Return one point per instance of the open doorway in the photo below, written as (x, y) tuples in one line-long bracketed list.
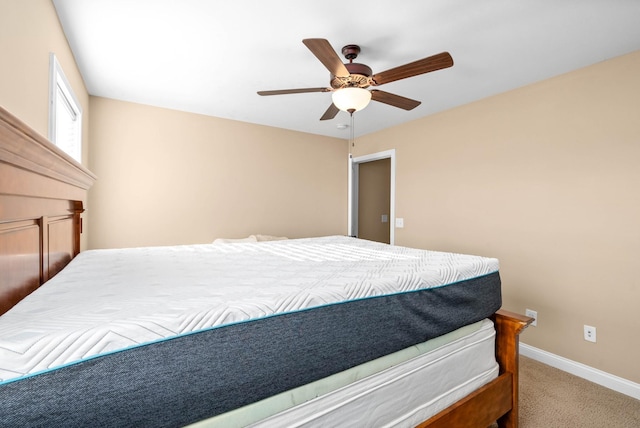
[(374, 189), (372, 196)]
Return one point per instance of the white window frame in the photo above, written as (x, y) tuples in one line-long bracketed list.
[(61, 93)]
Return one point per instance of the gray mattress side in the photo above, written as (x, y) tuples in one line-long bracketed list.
[(188, 378)]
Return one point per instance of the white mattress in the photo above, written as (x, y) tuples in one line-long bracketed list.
[(207, 285), (398, 390)]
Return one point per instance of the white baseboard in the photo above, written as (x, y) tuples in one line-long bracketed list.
[(605, 379)]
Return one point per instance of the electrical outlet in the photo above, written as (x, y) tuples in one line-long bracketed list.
[(589, 333), (533, 314)]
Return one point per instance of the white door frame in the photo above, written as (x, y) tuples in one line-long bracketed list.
[(354, 164)]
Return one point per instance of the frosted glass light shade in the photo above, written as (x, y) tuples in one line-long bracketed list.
[(351, 99)]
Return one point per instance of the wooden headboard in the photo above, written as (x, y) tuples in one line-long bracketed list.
[(43, 192)]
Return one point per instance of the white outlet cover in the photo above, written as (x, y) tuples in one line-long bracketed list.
[(589, 333)]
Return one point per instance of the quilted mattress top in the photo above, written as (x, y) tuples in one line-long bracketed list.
[(107, 300)]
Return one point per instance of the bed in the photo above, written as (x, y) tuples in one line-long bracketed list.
[(346, 317)]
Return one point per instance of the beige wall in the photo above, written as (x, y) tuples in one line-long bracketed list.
[(168, 177), (29, 31), (546, 179)]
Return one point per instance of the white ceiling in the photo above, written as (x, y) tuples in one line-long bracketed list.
[(212, 56)]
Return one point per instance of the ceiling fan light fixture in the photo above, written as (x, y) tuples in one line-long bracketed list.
[(351, 99)]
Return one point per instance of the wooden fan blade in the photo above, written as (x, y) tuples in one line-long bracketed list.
[(394, 100), (327, 56), (293, 91), (426, 65), (330, 113)]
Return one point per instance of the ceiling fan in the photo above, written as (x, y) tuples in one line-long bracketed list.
[(355, 78)]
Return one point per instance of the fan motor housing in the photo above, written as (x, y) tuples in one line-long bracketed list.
[(360, 77)]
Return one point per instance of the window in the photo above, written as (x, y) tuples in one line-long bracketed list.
[(65, 113)]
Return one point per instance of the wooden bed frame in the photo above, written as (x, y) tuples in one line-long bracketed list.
[(42, 196)]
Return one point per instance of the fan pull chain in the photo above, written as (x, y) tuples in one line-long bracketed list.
[(352, 142)]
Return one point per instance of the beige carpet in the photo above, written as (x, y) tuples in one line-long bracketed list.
[(553, 398)]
